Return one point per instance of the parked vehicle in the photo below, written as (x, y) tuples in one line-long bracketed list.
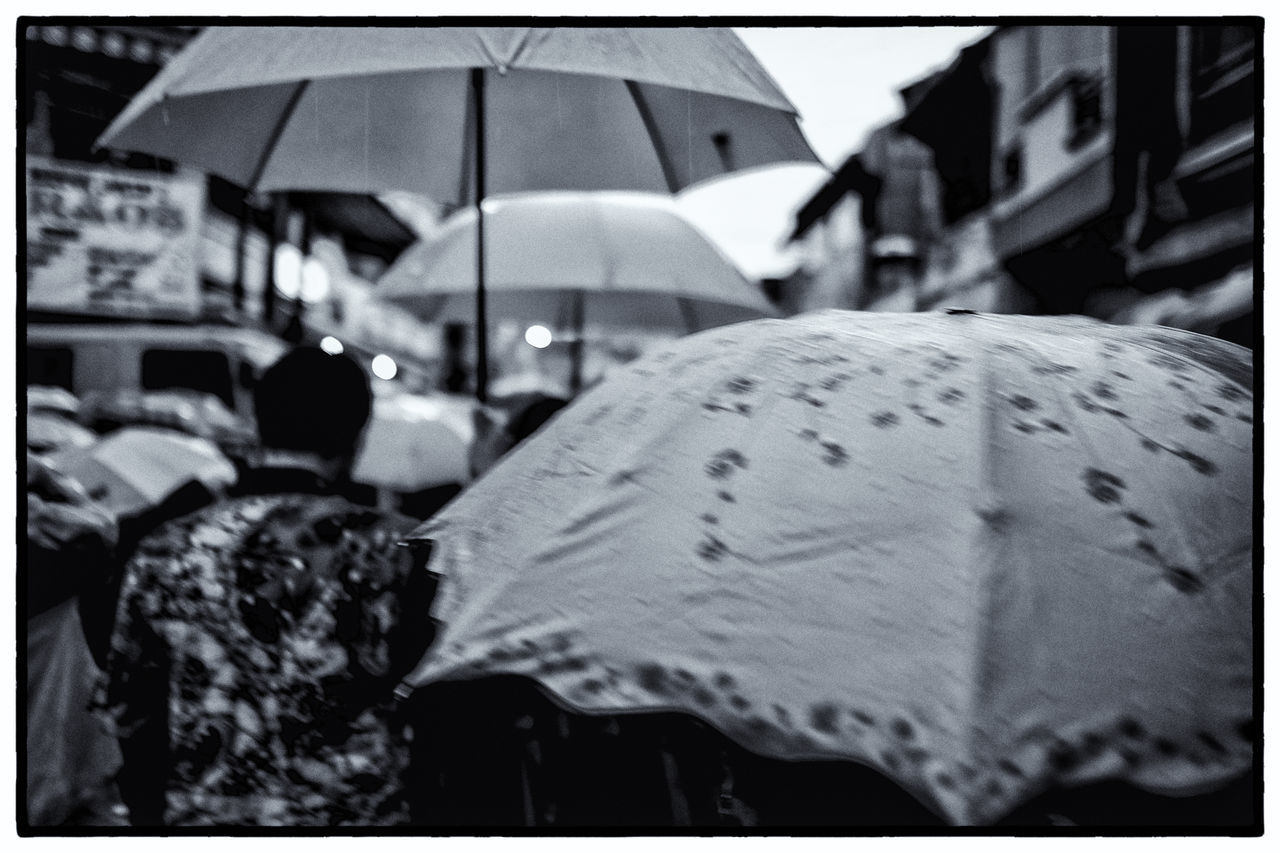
[(87, 357)]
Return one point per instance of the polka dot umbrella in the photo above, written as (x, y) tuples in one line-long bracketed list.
[(985, 555)]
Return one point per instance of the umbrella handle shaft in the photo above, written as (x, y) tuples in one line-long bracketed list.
[(482, 336)]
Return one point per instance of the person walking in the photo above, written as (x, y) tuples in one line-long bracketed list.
[(258, 642)]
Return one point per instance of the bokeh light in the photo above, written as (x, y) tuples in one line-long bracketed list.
[(538, 336), (288, 270), (315, 281), (384, 366)]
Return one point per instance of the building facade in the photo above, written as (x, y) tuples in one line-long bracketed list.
[(1096, 170)]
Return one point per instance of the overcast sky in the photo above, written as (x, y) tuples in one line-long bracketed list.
[(845, 82)]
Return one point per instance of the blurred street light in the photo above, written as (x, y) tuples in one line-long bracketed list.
[(288, 270), (538, 336), (331, 345), (315, 281), (384, 367)]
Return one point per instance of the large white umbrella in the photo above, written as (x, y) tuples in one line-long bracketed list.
[(984, 555), (571, 260), (457, 113)]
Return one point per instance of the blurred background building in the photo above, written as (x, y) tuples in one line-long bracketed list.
[(295, 266), (1097, 170)]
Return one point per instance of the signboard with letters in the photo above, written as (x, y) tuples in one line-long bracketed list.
[(112, 242)]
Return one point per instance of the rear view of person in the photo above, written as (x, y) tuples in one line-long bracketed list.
[(257, 643), (494, 438)]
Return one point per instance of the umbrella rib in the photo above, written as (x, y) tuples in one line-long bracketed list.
[(687, 313), (285, 115), (651, 127)]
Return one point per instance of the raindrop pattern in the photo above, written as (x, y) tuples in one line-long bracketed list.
[(723, 464), (834, 454), (1200, 422), (1024, 403), (1103, 486), (876, 412), (884, 419)]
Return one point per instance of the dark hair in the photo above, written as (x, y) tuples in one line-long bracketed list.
[(313, 402), (534, 416)]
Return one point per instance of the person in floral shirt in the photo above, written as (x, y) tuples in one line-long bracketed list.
[(258, 642)]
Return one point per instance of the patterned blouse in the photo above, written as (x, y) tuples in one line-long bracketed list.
[(281, 624)]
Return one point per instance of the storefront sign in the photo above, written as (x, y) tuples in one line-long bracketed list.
[(113, 242)]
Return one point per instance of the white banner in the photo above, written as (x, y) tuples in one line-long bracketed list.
[(110, 241)]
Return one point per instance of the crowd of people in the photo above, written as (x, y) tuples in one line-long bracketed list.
[(250, 646), (248, 643)]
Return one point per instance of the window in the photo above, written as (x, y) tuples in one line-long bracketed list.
[(1221, 78), (1086, 110), (1011, 171), (198, 370), (1051, 54), (50, 366)]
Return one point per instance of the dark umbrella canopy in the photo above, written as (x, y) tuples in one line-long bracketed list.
[(372, 108)]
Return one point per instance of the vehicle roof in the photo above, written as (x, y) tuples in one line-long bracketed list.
[(183, 336)]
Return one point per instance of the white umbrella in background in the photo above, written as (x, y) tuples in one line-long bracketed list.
[(457, 113), (136, 468), (411, 445), (573, 260)]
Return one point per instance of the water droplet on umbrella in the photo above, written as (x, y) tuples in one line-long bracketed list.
[(835, 455), (1131, 728), (1183, 580), (1103, 486), (1062, 756), (1199, 421), (884, 419), (1211, 742), (1197, 462), (823, 717), (652, 677)]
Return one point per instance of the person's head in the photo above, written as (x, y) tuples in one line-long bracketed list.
[(313, 402), (496, 433)]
